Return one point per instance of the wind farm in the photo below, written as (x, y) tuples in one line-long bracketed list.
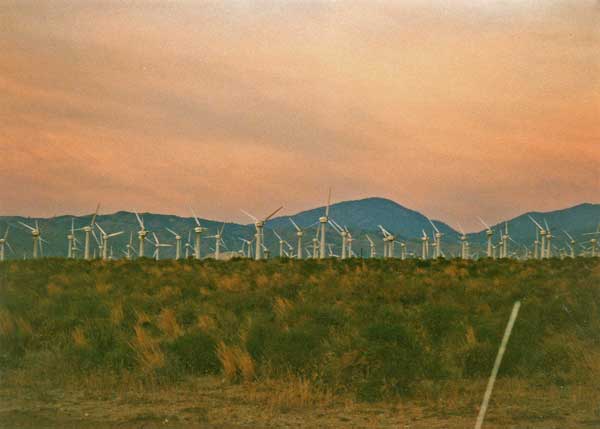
[(307, 214)]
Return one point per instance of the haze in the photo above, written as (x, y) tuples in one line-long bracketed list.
[(453, 109)]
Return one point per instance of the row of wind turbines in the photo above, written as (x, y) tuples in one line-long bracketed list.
[(319, 248)]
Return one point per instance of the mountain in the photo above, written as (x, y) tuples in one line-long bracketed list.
[(365, 215), (576, 220), (359, 216)]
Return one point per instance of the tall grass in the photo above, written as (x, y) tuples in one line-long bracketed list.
[(368, 328)]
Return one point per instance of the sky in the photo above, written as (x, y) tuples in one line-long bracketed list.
[(455, 109)]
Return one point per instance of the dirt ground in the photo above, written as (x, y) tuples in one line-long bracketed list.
[(210, 403)]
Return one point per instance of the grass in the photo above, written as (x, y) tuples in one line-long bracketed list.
[(370, 330)]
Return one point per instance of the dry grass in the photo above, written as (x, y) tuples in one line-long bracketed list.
[(53, 289), (167, 323), (103, 287), (206, 323), (281, 307), (116, 313), (237, 363), (291, 394), (79, 338), (150, 356), (7, 325)]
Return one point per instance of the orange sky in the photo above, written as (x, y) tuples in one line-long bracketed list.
[(455, 109)]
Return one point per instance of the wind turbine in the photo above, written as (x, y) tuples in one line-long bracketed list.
[(218, 240), (315, 242), (4, 242), (403, 251), (594, 240), (548, 240), (141, 234), (438, 240), (571, 243), (372, 251), (543, 237), (424, 245), (105, 238), (72, 241), (489, 234), (536, 243), (198, 230), (464, 244), (282, 242), (188, 245), (37, 238), (259, 224), (89, 229), (324, 220), (343, 233), (248, 244), (299, 234), (388, 243), (177, 243), (129, 247), (157, 246), (505, 238)]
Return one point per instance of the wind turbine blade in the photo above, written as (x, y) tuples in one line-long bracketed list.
[(547, 227), (328, 203), (222, 228), (272, 214), (195, 217), (249, 215), (534, 221), (460, 228), (94, 216), (140, 221), (432, 224), (277, 235), (10, 247), (27, 226), (155, 238), (100, 228), (172, 232), (6, 233), (115, 234), (485, 224), (295, 226)]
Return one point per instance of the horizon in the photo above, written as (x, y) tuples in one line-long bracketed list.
[(333, 203), (454, 111)]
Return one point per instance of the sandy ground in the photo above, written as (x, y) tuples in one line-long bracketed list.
[(210, 403)]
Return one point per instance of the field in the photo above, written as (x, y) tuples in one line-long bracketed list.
[(285, 343)]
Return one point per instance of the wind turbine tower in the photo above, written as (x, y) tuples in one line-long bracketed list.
[(177, 243), (324, 220), (299, 234), (142, 233), (88, 229), (198, 230), (259, 224)]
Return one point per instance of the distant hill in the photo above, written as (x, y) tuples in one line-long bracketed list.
[(360, 216), (366, 214), (576, 220)]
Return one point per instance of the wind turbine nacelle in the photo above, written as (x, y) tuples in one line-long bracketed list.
[(299, 233), (198, 230), (489, 232), (323, 219)]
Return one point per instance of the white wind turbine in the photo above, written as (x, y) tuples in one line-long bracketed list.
[(424, 245), (343, 233), (349, 240), (571, 243), (177, 243), (438, 240), (198, 230), (259, 224), (489, 234), (464, 244), (388, 242), (188, 245), (105, 238), (543, 237), (71, 240), (372, 251), (37, 239), (324, 220), (129, 247), (282, 243), (594, 240), (548, 240), (218, 241), (88, 230), (315, 243), (4, 242), (157, 246), (248, 244), (505, 238), (299, 234), (536, 243), (142, 233), (403, 251)]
